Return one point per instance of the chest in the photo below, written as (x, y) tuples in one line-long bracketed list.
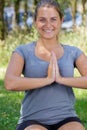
[(45, 54), (38, 68)]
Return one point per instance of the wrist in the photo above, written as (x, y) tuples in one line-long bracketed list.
[(50, 80), (59, 80)]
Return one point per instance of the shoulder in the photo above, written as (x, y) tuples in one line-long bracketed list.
[(74, 51), (71, 48), (25, 49), (26, 46)]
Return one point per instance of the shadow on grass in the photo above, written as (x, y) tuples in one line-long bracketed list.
[(10, 103)]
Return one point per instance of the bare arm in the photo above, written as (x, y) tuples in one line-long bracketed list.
[(78, 82), (14, 81)]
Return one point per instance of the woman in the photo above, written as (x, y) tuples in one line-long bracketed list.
[(48, 69)]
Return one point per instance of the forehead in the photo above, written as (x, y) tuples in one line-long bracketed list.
[(47, 11)]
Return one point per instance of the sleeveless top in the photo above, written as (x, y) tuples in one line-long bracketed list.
[(51, 103)]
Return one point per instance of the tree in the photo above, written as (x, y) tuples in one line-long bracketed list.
[(2, 27), (84, 11), (74, 9), (17, 2), (84, 8)]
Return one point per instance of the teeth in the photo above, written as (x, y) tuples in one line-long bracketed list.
[(48, 31)]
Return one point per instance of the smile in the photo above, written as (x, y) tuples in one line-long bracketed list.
[(48, 31)]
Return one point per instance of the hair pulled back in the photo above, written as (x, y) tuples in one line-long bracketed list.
[(48, 3)]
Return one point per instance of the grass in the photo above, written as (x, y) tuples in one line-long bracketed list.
[(9, 109), (81, 105), (9, 106), (10, 102)]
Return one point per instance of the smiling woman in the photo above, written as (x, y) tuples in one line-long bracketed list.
[(48, 19), (48, 69), (48, 24)]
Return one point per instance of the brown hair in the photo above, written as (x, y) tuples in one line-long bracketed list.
[(48, 3)]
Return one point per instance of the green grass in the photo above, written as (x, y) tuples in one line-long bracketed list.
[(9, 109), (9, 106), (81, 105)]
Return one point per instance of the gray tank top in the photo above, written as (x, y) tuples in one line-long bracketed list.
[(52, 103)]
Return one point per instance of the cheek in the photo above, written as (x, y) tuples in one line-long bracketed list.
[(58, 25), (39, 26)]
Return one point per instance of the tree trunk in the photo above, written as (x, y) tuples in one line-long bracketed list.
[(84, 11), (83, 4), (74, 8), (2, 26), (16, 9)]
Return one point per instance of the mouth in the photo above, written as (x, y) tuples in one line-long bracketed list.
[(48, 30)]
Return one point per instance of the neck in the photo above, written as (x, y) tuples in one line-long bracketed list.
[(48, 44)]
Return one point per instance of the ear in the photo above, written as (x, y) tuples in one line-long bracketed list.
[(62, 20)]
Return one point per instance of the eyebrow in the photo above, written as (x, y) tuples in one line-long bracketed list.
[(45, 17)]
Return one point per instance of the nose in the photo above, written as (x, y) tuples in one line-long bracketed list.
[(48, 24)]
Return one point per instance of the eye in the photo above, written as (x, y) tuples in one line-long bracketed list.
[(54, 19), (42, 20)]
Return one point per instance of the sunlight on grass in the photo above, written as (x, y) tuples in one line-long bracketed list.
[(2, 95), (2, 72), (80, 93)]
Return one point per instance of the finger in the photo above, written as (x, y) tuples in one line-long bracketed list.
[(50, 67), (54, 72), (54, 63), (51, 62), (54, 58), (57, 73)]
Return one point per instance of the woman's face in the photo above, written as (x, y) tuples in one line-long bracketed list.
[(48, 22)]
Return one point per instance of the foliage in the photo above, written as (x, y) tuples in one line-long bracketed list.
[(13, 40), (16, 4), (64, 4), (77, 38)]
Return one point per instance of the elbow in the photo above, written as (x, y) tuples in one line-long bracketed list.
[(9, 84)]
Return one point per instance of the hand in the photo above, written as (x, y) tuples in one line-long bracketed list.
[(51, 69), (57, 73)]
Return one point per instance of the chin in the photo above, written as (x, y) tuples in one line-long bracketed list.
[(49, 37)]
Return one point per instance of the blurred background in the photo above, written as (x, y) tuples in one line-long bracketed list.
[(18, 15), (16, 27)]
